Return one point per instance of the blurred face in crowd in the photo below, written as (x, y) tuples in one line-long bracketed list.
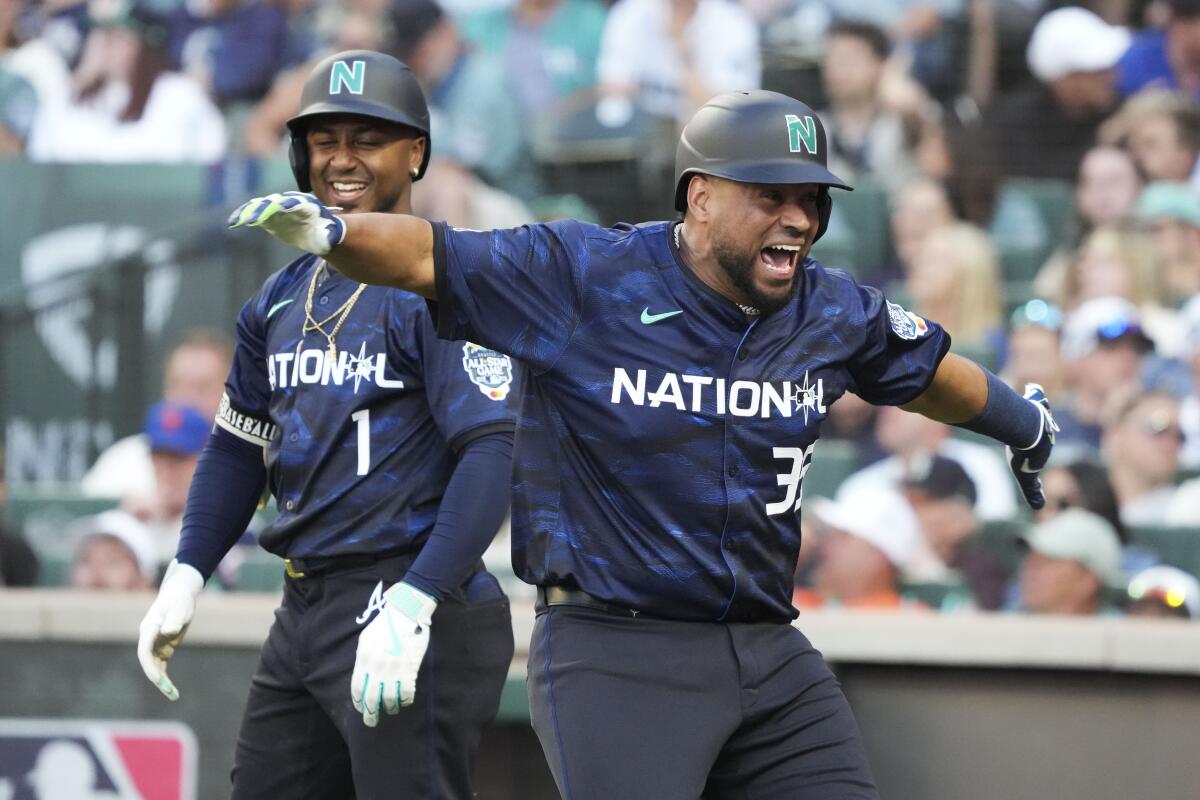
[(758, 234), (1101, 270), (1057, 585), (1033, 356), (935, 275), (173, 474), (362, 164), (1109, 366), (1061, 492), (1082, 93), (195, 376), (1148, 439), (920, 208), (903, 433), (945, 521), (1184, 40), (1156, 146), (105, 563), (1108, 186), (851, 70), (850, 568)]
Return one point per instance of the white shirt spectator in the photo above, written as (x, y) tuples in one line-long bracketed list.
[(179, 124), (637, 49), (1151, 508), (994, 483)]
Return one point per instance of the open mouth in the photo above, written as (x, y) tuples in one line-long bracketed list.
[(347, 191), (780, 259)]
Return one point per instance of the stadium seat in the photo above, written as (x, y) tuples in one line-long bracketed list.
[(1032, 218), (1000, 539), (833, 461), (938, 595), (858, 238), (1177, 546)]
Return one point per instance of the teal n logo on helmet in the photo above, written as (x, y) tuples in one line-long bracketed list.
[(349, 76), (802, 132)]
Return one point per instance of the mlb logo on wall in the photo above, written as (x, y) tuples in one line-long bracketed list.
[(55, 759)]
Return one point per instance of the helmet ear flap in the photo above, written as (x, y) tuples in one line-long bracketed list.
[(824, 209), (298, 158)]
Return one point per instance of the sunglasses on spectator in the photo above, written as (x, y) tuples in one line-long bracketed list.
[(1119, 329), (1038, 313)]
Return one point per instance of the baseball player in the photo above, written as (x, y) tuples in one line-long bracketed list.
[(388, 452), (678, 376)]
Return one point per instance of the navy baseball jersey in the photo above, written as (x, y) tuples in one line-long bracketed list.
[(663, 437), (358, 448)]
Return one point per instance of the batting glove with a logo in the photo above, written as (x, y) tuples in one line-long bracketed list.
[(296, 218), (1028, 462), (163, 628), (390, 651)]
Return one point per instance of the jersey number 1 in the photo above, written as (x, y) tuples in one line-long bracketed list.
[(363, 418), (792, 479)]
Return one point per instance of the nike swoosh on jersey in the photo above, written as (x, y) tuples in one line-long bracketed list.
[(278, 306), (650, 319)]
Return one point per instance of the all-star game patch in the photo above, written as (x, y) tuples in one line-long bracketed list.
[(906, 324), (490, 371)]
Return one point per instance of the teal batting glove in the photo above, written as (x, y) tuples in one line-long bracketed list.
[(390, 651), (166, 622), (295, 218)]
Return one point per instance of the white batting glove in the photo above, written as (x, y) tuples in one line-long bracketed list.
[(166, 622), (390, 651), (296, 218)]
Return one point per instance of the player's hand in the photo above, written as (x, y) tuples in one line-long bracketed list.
[(297, 218), (390, 651), (166, 622), (1027, 463)]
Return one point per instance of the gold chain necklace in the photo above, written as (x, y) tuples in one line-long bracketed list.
[(311, 324)]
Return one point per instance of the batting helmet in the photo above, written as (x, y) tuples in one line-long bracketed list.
[(360, 82), (756, 137)]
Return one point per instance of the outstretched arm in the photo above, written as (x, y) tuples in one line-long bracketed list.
[(966, 395), (382, 249)]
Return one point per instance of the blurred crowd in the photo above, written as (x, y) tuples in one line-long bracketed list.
[(965, 114)]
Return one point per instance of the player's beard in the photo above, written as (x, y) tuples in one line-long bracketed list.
[(741, 271)]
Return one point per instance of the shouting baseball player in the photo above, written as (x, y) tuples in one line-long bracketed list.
[(388, 451), (679, 373)]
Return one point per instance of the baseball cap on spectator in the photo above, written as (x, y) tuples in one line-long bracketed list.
[(18, 104), (411, 21), (128, 530), (881, 517), (1169, 200), (940, 478), (1080, 536), (144, 19), (1103, 320), (1039, 313), (175, 428), (1073, 39), (1170, 586)]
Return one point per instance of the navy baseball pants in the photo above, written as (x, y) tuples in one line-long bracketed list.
[(301, 738), (651, 709)]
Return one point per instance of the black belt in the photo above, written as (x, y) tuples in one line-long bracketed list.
[(562, 596), (322, 565)]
